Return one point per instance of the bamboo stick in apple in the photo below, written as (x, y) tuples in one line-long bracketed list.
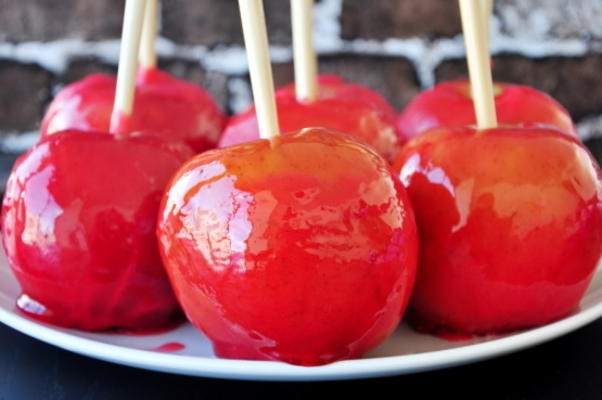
[(128, 65), (277, 283), (500, 197), (479, 69), (107, 189), (260, 69), (325, 101), (451, 103)]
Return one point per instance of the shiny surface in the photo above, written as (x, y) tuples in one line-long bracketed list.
[(340, 106), (510, 225), (170, 107), (302, 249), (450, 104), (78, 221)]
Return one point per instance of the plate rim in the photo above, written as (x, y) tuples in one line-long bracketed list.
[(277, 371)]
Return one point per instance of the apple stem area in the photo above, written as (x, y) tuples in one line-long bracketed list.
[(260, 69), (479, 67)]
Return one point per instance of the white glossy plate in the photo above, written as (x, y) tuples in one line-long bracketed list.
[(405, 352)]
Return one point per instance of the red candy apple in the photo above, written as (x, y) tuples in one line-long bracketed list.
[(301, 248), (170, 107), (79, 219), (510, 226), (340, 106), (450, 104)]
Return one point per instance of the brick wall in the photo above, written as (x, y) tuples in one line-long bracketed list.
[(397, 47)]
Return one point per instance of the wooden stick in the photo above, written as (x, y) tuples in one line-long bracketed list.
[(486, 11), (306, 62), (260, 69), (478, 64), (147, 56), (126, 74)]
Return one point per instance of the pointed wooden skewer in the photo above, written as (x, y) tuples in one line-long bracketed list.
[(305, 59), (147, 56), (478, 64), (260, 69), (128, 62)]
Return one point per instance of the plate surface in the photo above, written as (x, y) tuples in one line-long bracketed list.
[(186, 351)]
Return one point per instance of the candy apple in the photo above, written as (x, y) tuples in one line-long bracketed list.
[(301, 248), (340, 106), (450, 104), (510, 226), (170, 107), (79, 218)]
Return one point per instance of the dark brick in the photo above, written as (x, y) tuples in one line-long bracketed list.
[(381, 19), (573, 81), (392, 77), (27, 20), (211, 22), (26, 89), (283, 74), (81, 67), (215, 83)]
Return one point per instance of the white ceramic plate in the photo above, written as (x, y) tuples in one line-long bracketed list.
[(186, 351)]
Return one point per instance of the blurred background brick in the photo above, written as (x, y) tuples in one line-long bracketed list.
[(392, 77), (553, 45), (44, 20), (25, 91), (381, 19), (213, 22)]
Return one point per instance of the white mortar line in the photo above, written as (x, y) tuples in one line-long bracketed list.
[(590, 127), (18, 142), (230, 59)]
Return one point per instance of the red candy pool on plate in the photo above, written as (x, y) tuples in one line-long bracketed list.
[(300, 249), (340, 106), (164, 105), (79, 219)]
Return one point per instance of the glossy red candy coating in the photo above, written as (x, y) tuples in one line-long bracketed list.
[(341, 106), (164, 105), (450, 104), (79, 219), (300, 249), (510, 225)]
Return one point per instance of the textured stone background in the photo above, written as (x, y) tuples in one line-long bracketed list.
[(397, 47)]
